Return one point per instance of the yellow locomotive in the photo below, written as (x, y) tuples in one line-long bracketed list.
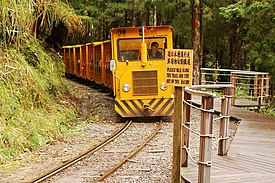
[(132, 63)]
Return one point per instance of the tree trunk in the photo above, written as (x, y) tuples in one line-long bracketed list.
[(103, 30), (235, 44), (196, 42), (155, 14), (147, 15), (235, 47), (175, 42), (159, 18), (202, 62), (137, 18), (126, 19)]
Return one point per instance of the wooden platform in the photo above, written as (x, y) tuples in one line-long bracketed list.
[(251, 157), (248, 103)]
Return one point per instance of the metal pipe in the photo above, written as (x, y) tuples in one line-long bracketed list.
[(210, 69), (193, 89), (211, 86), (197, 92), (249, 72), (234, 71), (143, 41)]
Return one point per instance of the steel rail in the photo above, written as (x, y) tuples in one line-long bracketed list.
[(81, 156), (112, 170)]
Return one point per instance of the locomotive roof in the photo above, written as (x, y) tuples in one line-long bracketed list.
[(149, 27)]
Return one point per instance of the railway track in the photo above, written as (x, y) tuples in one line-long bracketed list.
[(92, 154)]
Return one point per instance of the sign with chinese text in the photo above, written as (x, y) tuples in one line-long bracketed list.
[(179, 66)]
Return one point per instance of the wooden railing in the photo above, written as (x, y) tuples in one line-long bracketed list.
[(183, 117), (246, 84)]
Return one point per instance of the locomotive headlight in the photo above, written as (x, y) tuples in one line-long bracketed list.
[(126, 87), (162, 86)]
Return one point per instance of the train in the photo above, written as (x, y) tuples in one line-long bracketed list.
[(132, 64)]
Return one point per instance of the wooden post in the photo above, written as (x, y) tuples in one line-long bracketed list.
[(84, 61), (176, 167), (267, 88), (94, 62), (185, 131), (88, 62), (233, 78), (203, 79), (103, 63), (65, 60), (262, 88), (75, 62), (71, 62), (256, 85), (205, 140), (224, 122), (80, 62)]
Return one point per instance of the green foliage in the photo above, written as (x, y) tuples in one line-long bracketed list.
[(104, 16), (233, 11), (269, 110), (257, 31), (100, 17), (35, 18), (215, 35), (32, 107), (177, 14), (31, 86), (241, 91)]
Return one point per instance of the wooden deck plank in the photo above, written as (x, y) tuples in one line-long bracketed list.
[(244, 177), (245, 164), (251, 157)]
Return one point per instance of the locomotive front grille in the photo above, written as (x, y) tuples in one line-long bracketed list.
[(145, 82)]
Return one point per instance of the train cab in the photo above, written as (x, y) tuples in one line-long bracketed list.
[(138, 67)]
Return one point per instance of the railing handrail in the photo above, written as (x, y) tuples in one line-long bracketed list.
[(193, 89), (249, 72), (212, 69), (216, 86), (234, 71), (253, 83), (198, 92)]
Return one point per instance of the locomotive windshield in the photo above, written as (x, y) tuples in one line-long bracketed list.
[(129, 49)]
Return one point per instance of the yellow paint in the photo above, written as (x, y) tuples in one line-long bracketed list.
[(179, 67), (143, 54), (131, 56), (123, 74)]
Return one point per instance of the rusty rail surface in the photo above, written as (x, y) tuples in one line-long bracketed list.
[(76, 159)]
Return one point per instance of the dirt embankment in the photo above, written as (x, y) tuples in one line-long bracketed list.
[(96, 120)]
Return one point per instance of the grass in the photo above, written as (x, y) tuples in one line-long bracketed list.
[(268, 110), (33, 94), (33, 111)]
